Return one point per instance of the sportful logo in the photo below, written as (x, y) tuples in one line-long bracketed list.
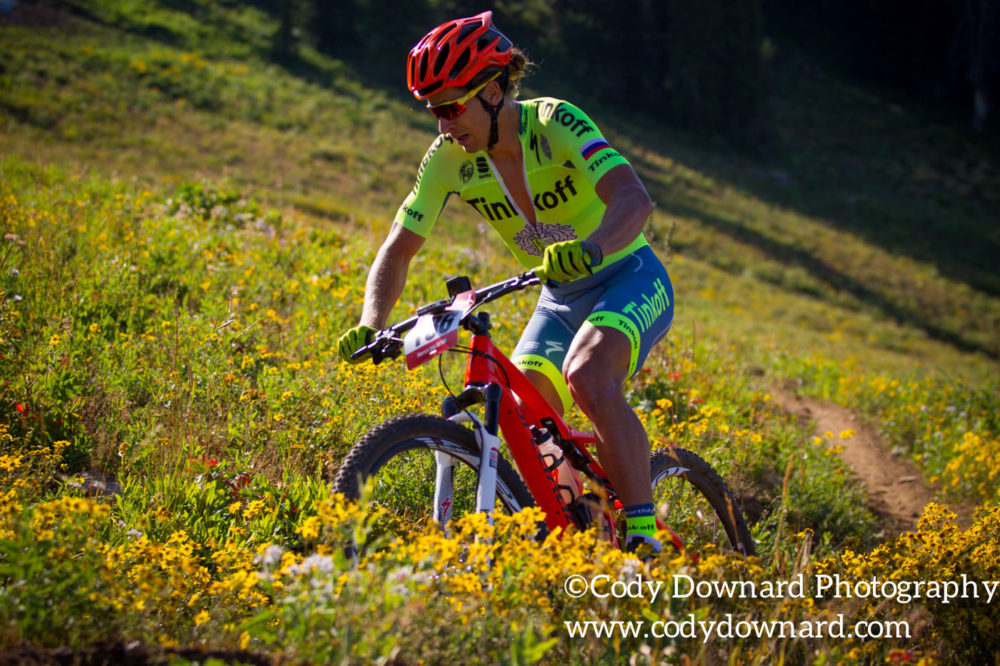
[(533, 240), (481, 170), (593, 147)]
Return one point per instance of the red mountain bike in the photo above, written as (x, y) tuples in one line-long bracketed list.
[(461, 452)]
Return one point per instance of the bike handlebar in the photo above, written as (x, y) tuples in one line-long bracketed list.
[(387, 343)]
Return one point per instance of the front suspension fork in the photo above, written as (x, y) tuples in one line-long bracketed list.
[(487, 436)]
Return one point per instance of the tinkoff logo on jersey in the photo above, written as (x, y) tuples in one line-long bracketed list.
[(593, 147), (563, 191)]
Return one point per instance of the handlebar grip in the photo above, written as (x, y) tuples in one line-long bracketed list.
[(373, 349), (384, 346)]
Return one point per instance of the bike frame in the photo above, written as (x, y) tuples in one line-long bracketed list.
[(520, 407), (513, 407)]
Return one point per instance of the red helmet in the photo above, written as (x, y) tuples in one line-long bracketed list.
[(450, 55)]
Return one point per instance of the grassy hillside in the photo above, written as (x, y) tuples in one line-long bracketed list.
[(187, 228)]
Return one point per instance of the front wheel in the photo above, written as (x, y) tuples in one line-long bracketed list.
[(398, 457), (694, 501)]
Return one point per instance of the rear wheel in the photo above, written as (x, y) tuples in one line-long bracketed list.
[(398, 457), (694, 501)]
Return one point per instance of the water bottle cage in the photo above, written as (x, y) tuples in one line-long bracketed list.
[(551, 467), (577, 460)]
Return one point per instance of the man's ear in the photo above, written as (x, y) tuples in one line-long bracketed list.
[(492, 93)]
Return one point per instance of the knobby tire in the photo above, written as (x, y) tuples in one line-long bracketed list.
[(671, 465), (399, 453), (689, 495)]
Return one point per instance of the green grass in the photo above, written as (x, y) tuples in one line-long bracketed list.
[(214, 133), (188, 228)]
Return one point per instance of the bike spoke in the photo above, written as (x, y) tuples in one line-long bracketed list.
[(686, 511), (403, 488)]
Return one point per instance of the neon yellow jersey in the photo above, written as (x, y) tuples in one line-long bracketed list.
[(564, 157)]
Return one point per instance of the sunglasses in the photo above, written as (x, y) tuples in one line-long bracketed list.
[(456, 107)]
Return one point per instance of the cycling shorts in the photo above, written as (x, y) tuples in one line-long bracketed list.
[(633, 295)]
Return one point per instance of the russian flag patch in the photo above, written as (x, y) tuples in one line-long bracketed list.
[(593, 147)]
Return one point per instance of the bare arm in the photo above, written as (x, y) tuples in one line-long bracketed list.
[(628, 208), (387, 276)]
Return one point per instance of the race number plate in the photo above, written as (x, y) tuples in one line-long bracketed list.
[(433, 335)]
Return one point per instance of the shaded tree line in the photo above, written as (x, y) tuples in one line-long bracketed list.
[(698, 64), (939, 51)]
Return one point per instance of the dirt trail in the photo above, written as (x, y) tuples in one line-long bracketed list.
[(897, 491)]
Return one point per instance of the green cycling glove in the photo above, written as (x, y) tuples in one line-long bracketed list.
[(353, 340), (565, 261)]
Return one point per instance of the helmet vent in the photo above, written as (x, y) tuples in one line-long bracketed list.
[(461, 63), (466, 30), (441, 59)]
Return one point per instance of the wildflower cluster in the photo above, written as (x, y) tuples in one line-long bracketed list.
[(76, 565), (491, 586), (962, 630)]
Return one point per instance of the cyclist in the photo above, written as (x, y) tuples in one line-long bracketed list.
[(546, 180)]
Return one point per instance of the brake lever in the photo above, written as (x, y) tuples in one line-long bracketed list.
[(380, 355), (388, 345), (375, 348)]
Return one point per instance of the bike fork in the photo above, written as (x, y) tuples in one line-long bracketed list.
[(444, 483), (487, 437)]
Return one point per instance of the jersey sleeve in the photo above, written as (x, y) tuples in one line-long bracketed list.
[(581, 141), (421, 208)]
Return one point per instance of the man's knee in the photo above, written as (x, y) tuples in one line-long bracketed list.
[(591, 383)]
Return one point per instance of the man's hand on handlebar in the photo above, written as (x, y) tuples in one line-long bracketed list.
[(362, 343), (568, 260), (353, 340)]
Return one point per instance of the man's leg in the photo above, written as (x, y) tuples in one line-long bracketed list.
[(546, 388), (596, 368), (540, 353)]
